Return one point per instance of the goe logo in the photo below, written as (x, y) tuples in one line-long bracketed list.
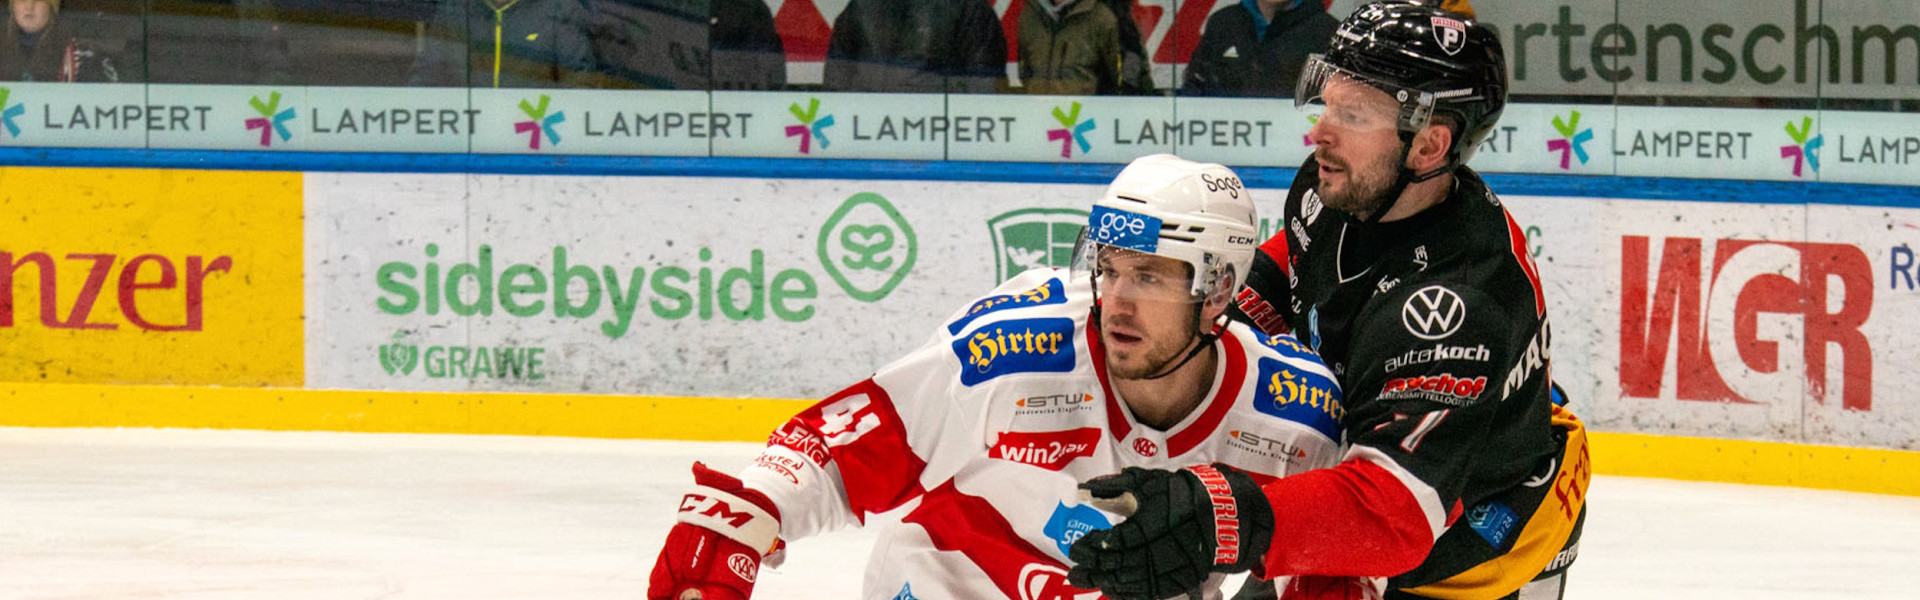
[(1124, 229)]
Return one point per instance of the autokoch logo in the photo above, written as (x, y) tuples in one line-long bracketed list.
[(812, 125), (1050, 450), (539, 122), (1573, 140), (1805, 147), (867, 247), (1072, 131), (272, 119), (12, 111), (1433, 313), (1034, 238)]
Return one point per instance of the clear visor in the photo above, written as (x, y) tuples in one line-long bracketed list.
[(1133, 275), (1357, 103)]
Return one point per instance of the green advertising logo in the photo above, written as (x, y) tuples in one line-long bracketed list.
[(398, 357), (1032, 238), (867, 247)]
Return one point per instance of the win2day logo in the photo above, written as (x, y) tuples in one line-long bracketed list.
[(539, 122), (272, 120), (1805, 147), (1072, 131), (10, 112), (812, 125), (1573, 140)]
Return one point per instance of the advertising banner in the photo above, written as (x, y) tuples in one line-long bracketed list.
[(82, 115), (150, 277), (1776, 322)]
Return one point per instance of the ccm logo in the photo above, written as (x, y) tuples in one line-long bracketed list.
[(716, 508)]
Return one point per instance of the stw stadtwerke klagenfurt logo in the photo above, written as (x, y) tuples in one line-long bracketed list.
[(1072, 131), (1805, 147), (272, 119), (539, 122), (1573, 140), (812, 125), (9, 111)]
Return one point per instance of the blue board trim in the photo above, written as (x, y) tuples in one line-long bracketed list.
[(1508, 184)]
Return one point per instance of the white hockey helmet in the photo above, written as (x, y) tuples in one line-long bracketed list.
[(1197, 213)]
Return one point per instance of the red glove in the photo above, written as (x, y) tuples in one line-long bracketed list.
[(724, 530), (1321, 587)]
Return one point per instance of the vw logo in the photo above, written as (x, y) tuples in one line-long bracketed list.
[(1433, 313)]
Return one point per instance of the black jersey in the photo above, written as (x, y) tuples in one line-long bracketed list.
[(1436, 329)]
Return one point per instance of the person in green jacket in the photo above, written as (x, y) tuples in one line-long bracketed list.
[(1074, 47)]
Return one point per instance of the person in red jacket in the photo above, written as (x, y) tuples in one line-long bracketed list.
[(1464, 478)]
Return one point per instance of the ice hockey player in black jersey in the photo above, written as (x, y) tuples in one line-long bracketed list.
[(1464, 479)]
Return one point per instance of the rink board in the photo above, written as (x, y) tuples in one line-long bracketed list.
[(667, 307)]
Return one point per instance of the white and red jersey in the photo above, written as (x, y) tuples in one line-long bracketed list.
[(982, 436)]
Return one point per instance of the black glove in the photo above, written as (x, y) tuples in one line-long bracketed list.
[(1185, 525)]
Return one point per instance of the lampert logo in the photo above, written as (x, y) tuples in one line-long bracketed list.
[(812, 125), (539, 122), (1034, 238), (11, 111), (1805, 147), (272, 119), (1072, 131), (1573, 140)]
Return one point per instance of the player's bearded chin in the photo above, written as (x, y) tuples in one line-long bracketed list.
[(1360, 191)]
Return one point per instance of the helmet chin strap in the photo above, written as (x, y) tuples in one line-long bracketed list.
[(1198, 343), (1406, 177)]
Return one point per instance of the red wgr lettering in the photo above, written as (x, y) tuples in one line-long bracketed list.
[(80, 315), (1717, 327)]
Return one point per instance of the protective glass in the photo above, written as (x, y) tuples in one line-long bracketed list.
[(1358, 112), (1123, 273)]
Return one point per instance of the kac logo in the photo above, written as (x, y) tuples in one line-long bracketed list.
[(1300, 396), (867, 247), (1072, 131), (1433, 313), (812, 125), (11, 111), (538, 122), (1573, 140), (272, 119), (1805, 147)]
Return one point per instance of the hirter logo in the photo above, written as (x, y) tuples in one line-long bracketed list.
[(1433, 313), (1745, 321), (1050, 450)]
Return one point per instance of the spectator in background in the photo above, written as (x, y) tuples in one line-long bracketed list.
[(1257, 48), (1073, 47), (662, 44), (931, 46), (39, 46), (235, 42), (508, 43), (1135, 68)]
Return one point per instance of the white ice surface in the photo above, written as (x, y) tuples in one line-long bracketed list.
[(202, 515)]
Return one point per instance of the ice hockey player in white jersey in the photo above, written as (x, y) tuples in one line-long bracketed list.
[(982, 437)]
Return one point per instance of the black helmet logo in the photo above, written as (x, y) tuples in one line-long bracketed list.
[(1451, 34)]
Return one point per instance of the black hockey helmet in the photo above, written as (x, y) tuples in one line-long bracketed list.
[(1430, 60)]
